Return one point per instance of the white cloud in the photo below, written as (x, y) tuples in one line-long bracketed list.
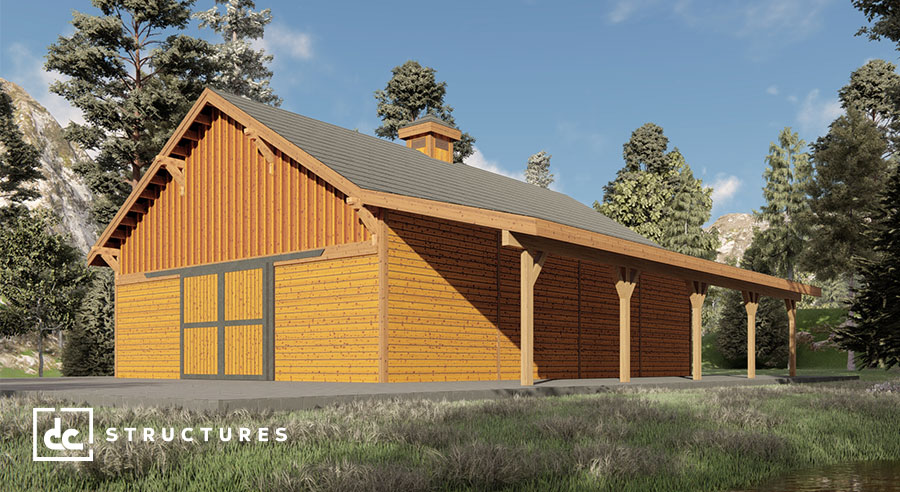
[(724, 188), (816, 114), (772, 90), (28, 72), (282, 40), (477, 159), (799, 19), (622, 11), (792, 98)]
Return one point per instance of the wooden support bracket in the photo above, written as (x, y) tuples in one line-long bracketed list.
[(626, 281), (365, 215), (174, 167), (262, 147), (111, 261)]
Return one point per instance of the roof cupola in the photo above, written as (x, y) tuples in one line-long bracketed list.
[(432, 136)]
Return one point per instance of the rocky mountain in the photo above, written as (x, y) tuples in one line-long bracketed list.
[(61, 190), (735, 235)]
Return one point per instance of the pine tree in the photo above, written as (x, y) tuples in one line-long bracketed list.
[(787, 178), (413, 92), (240, 69), (873, 91), (133, 76), (689, 208), (646, 150), (537, 170), (849, 177), (19, 161), (771, 320), (875, 335), (90, 347)]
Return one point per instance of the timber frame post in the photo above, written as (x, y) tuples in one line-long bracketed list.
[(625, 282), (531, 264), (751, 303), (792, 336), (697, 292)]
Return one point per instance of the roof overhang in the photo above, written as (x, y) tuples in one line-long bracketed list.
[(519, 231)]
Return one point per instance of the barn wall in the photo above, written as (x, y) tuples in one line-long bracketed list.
[(442, 300), (326, 320), (233, 208), (454, 311), (148, 329)]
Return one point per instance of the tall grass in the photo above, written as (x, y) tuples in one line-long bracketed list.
[(629, 439)]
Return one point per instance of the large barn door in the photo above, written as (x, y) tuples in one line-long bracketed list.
[(224, 323)]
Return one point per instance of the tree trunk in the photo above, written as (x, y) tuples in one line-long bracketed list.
[(40, 353), (851, 359)]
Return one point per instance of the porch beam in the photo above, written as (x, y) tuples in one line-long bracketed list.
[(791, 306), (697, 291), (512, 239), (751, 303), (626, 280), (529, 271)]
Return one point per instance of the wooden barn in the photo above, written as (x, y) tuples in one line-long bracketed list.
[(262, 244)]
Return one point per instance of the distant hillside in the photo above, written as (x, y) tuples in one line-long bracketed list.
[(61, 190), (735, 235)]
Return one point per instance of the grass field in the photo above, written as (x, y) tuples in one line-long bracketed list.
[(13, 372), (631, 439)]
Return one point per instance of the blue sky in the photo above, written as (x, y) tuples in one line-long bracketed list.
[(572, 78)]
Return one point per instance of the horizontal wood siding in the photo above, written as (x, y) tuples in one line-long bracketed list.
[(326, 320), (665, 321), (442, 300), (454, 312), (147, 329), (232, 208), (243, 350)]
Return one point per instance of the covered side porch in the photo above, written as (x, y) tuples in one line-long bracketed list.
[(629, 260)]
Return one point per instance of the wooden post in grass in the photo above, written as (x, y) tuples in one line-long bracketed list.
[(625, 283), (697, 292), (792, 336), (531, 263), (751, 303)]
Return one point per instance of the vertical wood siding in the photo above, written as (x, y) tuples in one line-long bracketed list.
[(243, 295), (233, 208), (454, 311), (243, 350), (148, 329), (326, 320), (201, 350), (201, 299)]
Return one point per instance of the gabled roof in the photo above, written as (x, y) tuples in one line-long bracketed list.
[(377, 173), (379, 165)]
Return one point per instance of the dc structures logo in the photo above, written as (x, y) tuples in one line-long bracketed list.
[(64, 443)]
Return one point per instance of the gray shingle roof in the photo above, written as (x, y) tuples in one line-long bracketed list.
[(379, 165), (425, 119)]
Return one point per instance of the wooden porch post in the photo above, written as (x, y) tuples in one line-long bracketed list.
[(698, 295), (792, 336), (625, 283), (751, 303), (530, 269)]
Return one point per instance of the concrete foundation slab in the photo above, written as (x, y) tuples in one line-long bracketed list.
[(220, 395)]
